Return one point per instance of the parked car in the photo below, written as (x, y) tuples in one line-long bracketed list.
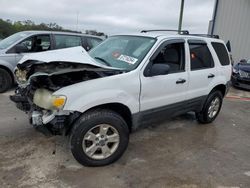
[(126, 82), (13, 48), (241, 74)]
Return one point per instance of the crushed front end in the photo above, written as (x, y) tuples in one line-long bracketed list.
[(37, 83)]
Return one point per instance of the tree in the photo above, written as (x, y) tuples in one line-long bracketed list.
[(7, 27)]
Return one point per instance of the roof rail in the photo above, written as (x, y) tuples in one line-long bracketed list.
[(184, 32), (204, 35)]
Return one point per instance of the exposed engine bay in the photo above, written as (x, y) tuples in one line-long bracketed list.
[(54, 75), (37, 80)]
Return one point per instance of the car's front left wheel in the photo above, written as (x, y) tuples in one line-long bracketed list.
[(5, 80), (99, 137)]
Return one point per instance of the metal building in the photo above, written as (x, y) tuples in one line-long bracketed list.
[(231, 21)]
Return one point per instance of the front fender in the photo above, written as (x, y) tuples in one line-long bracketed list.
[(90, 100), (7, 65), (123, 89)]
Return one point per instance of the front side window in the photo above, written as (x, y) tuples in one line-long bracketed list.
[(200, 56), (67, 41), (125, 52), (173, 55), (37, 43)]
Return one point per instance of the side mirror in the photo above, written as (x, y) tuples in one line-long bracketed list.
[(158, 69), (20, 48)]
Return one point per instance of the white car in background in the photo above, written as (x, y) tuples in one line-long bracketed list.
[(14, 47)]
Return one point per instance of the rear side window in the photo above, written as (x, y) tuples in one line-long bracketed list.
[(221, 52), (67, 41), (200, 56)]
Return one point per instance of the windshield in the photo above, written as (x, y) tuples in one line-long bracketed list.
[(5, 43), (248, 62), (125, 52)]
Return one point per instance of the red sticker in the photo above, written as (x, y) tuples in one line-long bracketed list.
[(116, 54)]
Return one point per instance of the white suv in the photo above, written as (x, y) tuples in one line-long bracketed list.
[(126, 82)]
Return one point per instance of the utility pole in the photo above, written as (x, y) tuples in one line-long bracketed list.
[(181, 16), (77, 15)]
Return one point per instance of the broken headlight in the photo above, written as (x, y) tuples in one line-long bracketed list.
[(45, 99), (21, 76)]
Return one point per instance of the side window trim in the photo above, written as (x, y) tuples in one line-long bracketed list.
[(84, 42), (196, 41), (157, 51)]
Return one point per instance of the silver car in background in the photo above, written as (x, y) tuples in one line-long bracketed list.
[(14, 47)]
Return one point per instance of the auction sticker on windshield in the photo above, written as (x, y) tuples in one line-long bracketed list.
[(127, 59)]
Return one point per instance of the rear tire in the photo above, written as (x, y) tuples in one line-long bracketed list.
[(91, 135), (211, 108), (5, 80)]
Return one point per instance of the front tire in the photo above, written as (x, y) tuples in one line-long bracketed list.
[(5, 80), (211, 108), (99, 137)]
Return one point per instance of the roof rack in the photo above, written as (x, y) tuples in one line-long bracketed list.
[(205, 35), (183, 32)]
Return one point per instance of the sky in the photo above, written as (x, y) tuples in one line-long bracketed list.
[(112, 16)]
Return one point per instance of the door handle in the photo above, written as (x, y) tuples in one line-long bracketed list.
[(210, 76), (180, 81)]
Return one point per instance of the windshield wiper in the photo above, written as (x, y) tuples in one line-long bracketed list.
[(104, 61)]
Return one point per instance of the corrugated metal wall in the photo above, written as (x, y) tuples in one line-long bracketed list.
[(232, 22)]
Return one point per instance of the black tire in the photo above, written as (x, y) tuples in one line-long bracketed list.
[(203, 116), (5, 80), (86, 123)]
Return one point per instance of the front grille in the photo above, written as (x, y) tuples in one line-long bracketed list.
[(244, 74)]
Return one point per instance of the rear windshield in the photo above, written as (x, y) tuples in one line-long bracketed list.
[(221, 52)]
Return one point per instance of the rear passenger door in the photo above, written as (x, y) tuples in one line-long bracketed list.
[(202, 69)]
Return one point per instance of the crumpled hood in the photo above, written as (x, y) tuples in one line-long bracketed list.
[(74, 55)]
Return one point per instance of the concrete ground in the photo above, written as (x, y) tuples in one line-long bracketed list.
[(178, 153)]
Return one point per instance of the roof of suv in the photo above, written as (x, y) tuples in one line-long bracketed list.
[(31, 32), (163, 34)]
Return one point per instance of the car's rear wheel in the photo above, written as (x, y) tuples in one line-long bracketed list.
[(211, 108), (99, 138), (5, 80)]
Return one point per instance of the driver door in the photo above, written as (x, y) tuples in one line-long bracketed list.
[(37, 43), (163, 93)]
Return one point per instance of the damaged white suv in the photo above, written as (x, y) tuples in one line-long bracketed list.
[(126, 82)]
